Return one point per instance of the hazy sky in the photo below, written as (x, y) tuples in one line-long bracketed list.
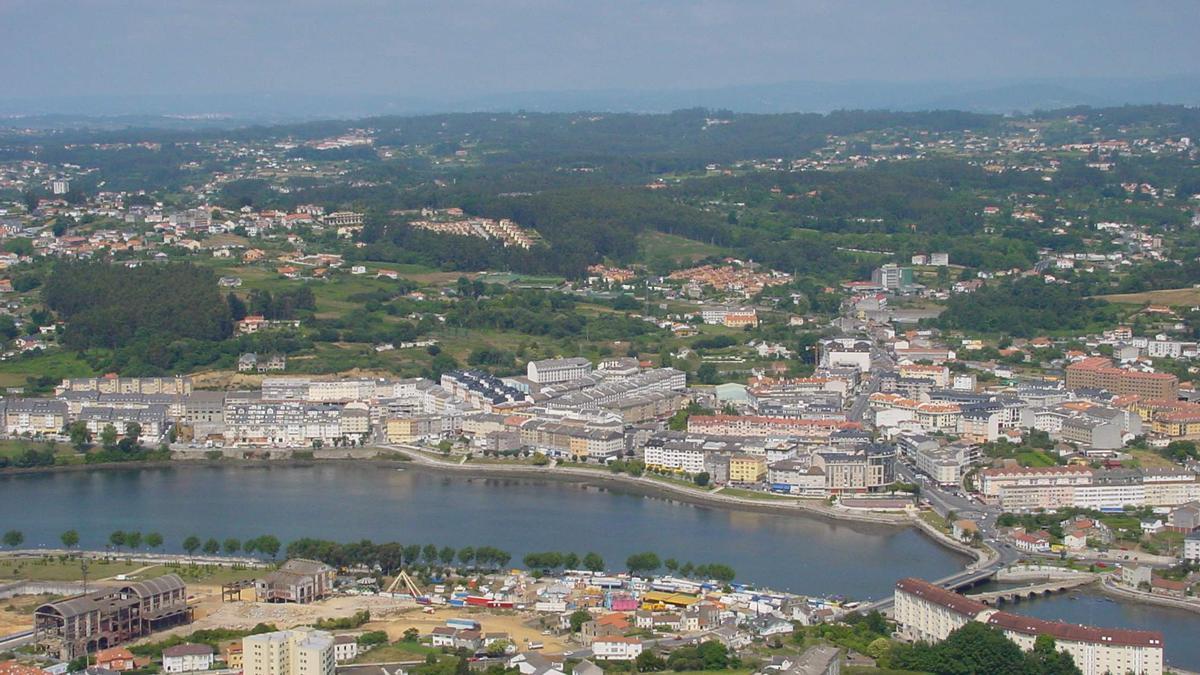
[(467, 47)]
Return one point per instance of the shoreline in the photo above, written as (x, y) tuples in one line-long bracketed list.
[(401, 457), (652, 487), (1129, 595)]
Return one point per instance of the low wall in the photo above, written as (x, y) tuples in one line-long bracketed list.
[(40, 588)]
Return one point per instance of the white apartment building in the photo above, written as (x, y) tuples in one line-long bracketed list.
[(300, 651), (993, 481), (616, 648), (549, 371), (281, 423), (930, 613)]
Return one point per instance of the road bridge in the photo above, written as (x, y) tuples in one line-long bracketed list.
[(1024, 592)]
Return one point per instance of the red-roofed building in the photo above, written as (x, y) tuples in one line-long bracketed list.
[(924, 611)]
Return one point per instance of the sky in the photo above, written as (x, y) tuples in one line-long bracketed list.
[(462, 48)]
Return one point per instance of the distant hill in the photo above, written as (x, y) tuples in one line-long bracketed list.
[(208, 111)]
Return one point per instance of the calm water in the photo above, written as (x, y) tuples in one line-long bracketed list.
[(1180, 628), (349, 503)]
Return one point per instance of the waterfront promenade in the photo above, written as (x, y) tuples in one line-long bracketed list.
[(767, 502)]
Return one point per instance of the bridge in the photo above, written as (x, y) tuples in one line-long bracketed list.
[(1025, 592), (955, 582)]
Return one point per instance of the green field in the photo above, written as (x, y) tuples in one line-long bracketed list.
[(55, 364), (681, 250), (56, 569), (397, 651), (1035, 458)]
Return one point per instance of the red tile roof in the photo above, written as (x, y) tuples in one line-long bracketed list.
[(1075, 633), (940, 596)]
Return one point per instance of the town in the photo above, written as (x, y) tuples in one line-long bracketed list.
[(977, 331)]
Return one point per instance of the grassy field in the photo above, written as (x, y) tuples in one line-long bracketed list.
[(1151, 460), (38, 569), (56, 364), (657, 245), (1172, 296), (930, 516), (755, 494), (14, 447), (1035, 458), (55, 569), (397, 651)]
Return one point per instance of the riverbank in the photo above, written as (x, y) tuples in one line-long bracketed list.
[(398, 457), (651, 486), (1108, 587)]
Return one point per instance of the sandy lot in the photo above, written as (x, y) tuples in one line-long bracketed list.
[(392, 616), (520, 626), (16, 614)]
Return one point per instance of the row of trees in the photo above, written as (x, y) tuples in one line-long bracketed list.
[(134, 540), (552, 560), (393, 556), (648, 563)]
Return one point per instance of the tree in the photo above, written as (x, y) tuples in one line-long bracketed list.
[(237, 307), (879, 648), (645, 562), (154, 540), (211, 547), (108, 437), (466, 555), (592, 562), (671, 564), (1046, 659), (571, 561), (80, 436), (191, 545), (701, 478), (973, 648), (117, 539), (232, 546), (498, 648), (69, 539), (578, 618), (707, 373), (268, 544), (649, 662), (133, 431), (411, 635), (14, 538), (446, 555), (133, 540)]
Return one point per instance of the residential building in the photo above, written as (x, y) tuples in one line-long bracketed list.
[(815, 430), (300, 651), (345, 648), (930, 613), (747, 468), (1098, 372), (115, 659), (616, 648), (550, 371), (186, 658), (34, 416)]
